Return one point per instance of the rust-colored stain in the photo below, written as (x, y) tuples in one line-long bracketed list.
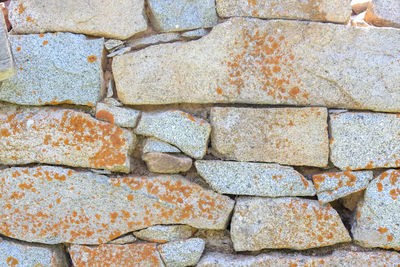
[(45, 42), (91, 58), (12, 262), (105, 115)]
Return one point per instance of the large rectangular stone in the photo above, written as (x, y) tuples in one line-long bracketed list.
[(293, 136), (6, 59), (269, 62)]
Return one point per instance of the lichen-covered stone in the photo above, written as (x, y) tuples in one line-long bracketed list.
[(154, 145), (132, 255), (383, 13), (287, 222), (167, 163), (181, 15), (55, 69), (57, 205), (123, 117), (254, 179), (334, 185), (165, 233), (6, 59), (365, 140), (182, 253), (378, 214), (63, 136), (178, 128), (292, 136), (343, 258), (338, 11), (14, 254), (120, 20), (269, 62)]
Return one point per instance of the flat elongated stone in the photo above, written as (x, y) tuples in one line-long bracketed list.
[(338, 11), (254, 179), (97, 17), (178, 128), (64, 68), (166, 163), (216, 240), (13, 253), (333, 185), (365, 140), (154, 145), (269, 62), (154, 39), (182, 253), (122, 117), (53, 205), (182, 15), (293, 136), (383, 13), (63, 136), (378, 214), (165, 233), (126, 239), (135, 255), (6, 59), (294, 223), (336, 258)]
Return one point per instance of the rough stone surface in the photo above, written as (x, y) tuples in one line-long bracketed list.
[(178, 128), (365, 140), (334, 185), (269, 62), (216, 240), (195, 34), (182, 15), (120, 20), (378, 215), (359, 20), (55, 69), (166, 163), (182, 253), (383, 13), (165, 233), (53, 205), (112, 45), (63, 136), (350, 201), (336, 258), (6, 59), (338, 11), (154, 39), (119, 52), (359, 6), (129, 238), (135, 255), (14, 254), (293, 136), (254, 179), (123, 117), (293, 223), (154, 145)]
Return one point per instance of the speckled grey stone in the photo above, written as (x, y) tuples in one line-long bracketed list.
[(180, 15), (334, 185), (378, 214), (54, 69), (119, 52), (126, 239), (383, 13), (165, 233), (195, 34), (14, 253), (123, 117), (365, 140), (154, 145), (154, 39), (6, 59), (113, 44), (254, 179), (182, 253), (178, 128)]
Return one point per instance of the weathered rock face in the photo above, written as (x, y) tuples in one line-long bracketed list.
[(254, 179), (338, 11), (293, 136), (64, 68), (182, 15), (63, 136), (53, 205), (154, 145), (334, 185), (378, 215), (178, 128), (359, 6), (337, 258), (6, 59), (182, 253), (365, 140), (135, 255), (268, 62), (122, 117), (120, 21), (14, 253), (165, 233), (293, 223), (166, 163), (383, 13)]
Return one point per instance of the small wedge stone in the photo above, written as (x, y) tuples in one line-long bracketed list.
[(182, 253), (127, 239), (123, 117), (359, 6), (154, 39), (195, 34), (166, 163), (165, 233), (154, 145), (383, 13)]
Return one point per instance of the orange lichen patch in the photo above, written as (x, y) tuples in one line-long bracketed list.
[(389, 238), (21, 8), (18, 48), (91, 58), (318, 179), (45, 42), (219, 90), (382, 230), (379, 187), (29, 19), (105, 115), (395, 192), (12, 262), (369, 165)]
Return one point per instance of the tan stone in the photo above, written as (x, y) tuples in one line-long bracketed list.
[(359, 6), (63, 136), (350, 201), (167, 163), (6, 59), (383, 13), (165, 233), (293, 136)]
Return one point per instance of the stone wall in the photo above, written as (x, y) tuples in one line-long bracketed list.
[(207, 133)]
